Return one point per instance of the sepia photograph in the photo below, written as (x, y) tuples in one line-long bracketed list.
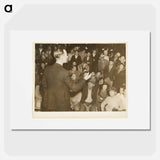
[(80, 77)]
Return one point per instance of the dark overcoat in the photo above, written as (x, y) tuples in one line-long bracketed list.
[(56, 86)]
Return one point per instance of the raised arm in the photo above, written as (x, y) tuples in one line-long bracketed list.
[(75, 86)]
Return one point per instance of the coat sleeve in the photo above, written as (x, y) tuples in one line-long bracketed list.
[(74, 86)]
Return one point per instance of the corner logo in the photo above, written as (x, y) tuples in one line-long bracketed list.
[(8, 8)]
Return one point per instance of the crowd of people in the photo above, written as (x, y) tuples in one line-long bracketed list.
[(105, 90)]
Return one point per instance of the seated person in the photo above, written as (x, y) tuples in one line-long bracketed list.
[(122, 99), (88, 99), (98, 76), (75, 101), (111, 103), (102, 93)]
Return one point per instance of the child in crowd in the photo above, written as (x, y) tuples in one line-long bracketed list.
[(111, 103)]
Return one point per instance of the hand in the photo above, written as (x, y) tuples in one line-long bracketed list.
[(87, 76)]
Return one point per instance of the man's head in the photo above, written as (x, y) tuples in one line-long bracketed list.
[(121, 67), (118, 54), (101, 81), (98, 75), (106, 52), (61, 55), (122, 59), (94, 52), (121, 90), (104, 87)]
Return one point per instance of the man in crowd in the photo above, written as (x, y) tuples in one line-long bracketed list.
[(88, 100)]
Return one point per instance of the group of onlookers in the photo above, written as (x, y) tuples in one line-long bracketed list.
[(104, 91)]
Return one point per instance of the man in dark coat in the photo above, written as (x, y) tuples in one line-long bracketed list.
[(94, 61), (120, 77), (56, 85), (76, 59)]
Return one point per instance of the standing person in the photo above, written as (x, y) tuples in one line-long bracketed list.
[(109, 73), (50, 57), (39, 51), (56, 84), (87, 60), (120, 77), (101, 63), (76, 59), (94, 61)]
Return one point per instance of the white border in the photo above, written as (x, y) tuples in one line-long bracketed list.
[(138, 85)]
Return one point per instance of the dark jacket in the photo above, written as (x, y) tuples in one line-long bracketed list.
[(85, 93), (120, 79), (94, 63), (56, 84), (78, 60), (110, 73)]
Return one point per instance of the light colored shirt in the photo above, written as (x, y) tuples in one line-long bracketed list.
[(122, 101), (109, 103), (89, 96)]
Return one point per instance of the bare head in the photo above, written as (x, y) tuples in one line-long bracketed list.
[(61, 56), (106, 52)]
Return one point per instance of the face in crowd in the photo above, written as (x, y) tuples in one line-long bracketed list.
[(104, 87), (106, 52), (121, 67), (121, 90), (111, 92)]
